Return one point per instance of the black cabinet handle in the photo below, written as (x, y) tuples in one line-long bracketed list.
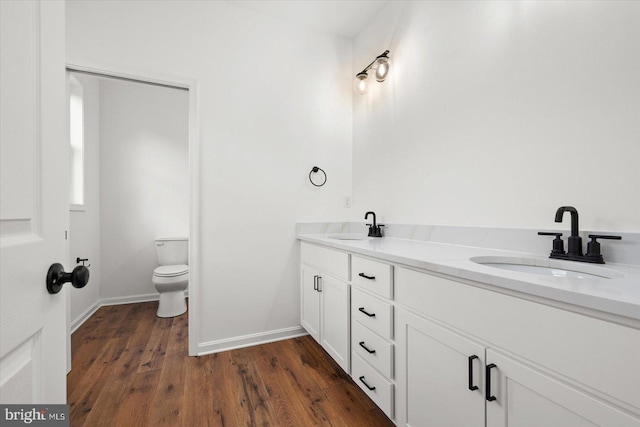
[(315, 283), (362, 310), (319, 283), (471, 386), (487, 374), (367, 385), (361, 344), (367, 277)]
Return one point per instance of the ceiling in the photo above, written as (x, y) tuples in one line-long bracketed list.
[(340, 17)]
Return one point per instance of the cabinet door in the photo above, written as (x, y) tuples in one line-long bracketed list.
[(440, 375), (309, 301), (525, 397), (335, 319)]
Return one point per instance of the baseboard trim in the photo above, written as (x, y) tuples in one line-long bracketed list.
[(131, 299), (249, 340), (78, 321)]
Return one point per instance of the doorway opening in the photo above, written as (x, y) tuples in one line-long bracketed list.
[(133, 179)]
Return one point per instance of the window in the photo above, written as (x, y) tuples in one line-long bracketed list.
[(76, 138)]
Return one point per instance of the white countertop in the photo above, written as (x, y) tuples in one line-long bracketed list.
[(618, 296)]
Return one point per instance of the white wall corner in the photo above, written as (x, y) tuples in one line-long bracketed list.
[(78, 321)]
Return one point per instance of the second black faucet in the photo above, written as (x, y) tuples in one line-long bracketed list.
[(374, 229)]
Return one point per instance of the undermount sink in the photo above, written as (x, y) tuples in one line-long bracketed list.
[(548, 267), (349, 236)]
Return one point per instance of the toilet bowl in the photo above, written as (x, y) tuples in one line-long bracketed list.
[(171, 278)]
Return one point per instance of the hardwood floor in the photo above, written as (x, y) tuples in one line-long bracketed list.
[(131, 368)]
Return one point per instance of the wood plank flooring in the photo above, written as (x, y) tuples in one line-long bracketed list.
[(131, 368)]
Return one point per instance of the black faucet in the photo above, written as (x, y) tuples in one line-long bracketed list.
[(374, 229), (575, 241), (574, 252)]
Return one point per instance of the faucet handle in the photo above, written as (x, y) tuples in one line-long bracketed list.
[(593, 247), (558, 244), (593, 237)]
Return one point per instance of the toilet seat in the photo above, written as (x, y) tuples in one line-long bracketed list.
[(171, 270)]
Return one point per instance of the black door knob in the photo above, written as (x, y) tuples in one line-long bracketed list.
[(56, 277)]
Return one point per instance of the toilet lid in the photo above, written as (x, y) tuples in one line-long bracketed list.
[(171, 270)]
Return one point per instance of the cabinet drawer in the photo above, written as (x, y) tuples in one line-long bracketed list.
[(372, 275), (368, 378), (378, 351), (375, 314), (327, 260)]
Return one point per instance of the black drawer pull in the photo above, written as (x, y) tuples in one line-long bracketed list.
[(471, 386), (361, 344), (361, 309), (367, 385), (487, 374), (367, 277), (315, 283)]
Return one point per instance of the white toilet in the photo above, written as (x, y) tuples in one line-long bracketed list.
[(172, 276)]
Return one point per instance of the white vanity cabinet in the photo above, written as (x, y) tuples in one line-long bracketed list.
[(436, 350), (532, 364), (325, 300)]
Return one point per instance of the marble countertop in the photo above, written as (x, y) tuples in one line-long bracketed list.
[(619, 295)]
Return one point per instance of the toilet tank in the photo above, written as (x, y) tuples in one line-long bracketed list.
[(172, 250)]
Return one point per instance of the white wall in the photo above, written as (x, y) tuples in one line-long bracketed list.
[(144, 180), (84, 226), (497, 113), (274, 100)]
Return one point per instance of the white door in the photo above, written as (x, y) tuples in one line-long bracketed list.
[(440, 375), (34, 199), (310, 301), (335, 319), (525, 397)]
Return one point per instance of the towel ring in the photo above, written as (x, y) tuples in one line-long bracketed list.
[(315, 169)]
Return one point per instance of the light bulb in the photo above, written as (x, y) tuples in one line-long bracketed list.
[(382, 68), (360, 83)]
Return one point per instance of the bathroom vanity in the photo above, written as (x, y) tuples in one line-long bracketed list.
[(439, 334)]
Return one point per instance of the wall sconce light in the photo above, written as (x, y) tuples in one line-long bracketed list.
[(380, 65)]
